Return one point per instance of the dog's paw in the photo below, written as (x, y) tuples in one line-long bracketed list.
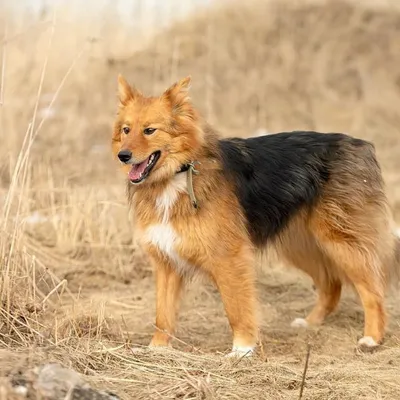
[(367, 344), (299, 323), (239, 352)]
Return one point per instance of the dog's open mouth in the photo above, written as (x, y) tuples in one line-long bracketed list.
[(140, 172)]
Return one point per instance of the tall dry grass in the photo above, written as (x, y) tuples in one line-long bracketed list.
[(65, 240), (50, 222)]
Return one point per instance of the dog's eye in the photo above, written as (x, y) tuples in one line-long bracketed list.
[(149, 131), (126, 129)]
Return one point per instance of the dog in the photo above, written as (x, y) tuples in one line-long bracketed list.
[(203, 204)]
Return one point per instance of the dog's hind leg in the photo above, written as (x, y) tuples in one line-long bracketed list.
[(299, 248), (360, 262), (361, 272), (327, 301)]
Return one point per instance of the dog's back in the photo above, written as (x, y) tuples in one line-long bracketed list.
[(278, 175)]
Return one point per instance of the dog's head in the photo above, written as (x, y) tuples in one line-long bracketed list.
[(154, 136)]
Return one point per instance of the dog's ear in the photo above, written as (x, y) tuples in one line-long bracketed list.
[(125, 91), (178, 96)]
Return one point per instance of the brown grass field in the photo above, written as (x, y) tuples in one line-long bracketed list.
[(74, 287)]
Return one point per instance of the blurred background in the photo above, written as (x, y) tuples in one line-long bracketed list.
[(71, 272)]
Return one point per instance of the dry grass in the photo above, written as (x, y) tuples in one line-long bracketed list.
[(74, 287)]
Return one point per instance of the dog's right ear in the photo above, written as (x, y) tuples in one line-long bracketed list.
[(178, 96), (125, 91)]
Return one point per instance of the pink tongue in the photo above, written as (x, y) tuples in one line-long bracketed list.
[(137, 170)]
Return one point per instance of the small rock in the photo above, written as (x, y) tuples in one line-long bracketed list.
[(55, 382)]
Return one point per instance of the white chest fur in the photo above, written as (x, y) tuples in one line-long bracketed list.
[(162, 235), (170, 195)]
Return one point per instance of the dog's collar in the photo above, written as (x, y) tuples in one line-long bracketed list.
[(190, 168), (184, 168)]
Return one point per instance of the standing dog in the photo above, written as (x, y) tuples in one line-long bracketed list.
[(206, 204)]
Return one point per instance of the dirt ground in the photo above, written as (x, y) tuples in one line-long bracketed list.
[(75, 288)]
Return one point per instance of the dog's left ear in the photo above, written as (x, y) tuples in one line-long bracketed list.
[(178, 96), (125, 91)]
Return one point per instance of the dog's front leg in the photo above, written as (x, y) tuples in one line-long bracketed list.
[(169, 287), (234, 278)]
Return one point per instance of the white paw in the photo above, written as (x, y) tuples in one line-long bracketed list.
[(367, 341), (20, 390), (299, 323), (239, 352)]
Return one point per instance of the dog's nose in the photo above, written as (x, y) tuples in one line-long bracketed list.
[(125, 155)]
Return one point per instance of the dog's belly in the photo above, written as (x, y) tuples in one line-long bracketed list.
[(165, 239)]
